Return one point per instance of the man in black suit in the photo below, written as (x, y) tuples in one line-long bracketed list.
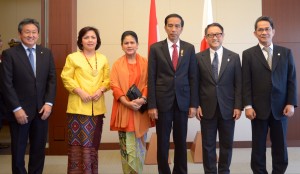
[(220, 99), (172, 93), (29, 91), (269, 96)]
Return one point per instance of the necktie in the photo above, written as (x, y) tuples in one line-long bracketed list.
[(214, 66), (175, 56), (269, 58), (31, 59)]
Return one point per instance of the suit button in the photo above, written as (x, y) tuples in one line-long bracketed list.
[(175, 77)]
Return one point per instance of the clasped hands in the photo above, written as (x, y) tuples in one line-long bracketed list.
[(86, 97)]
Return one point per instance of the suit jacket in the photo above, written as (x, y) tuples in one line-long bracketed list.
[(226, 91), (268, 90), (165, 84), (20, 86)]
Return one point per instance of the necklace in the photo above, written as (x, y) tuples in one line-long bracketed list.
[(94, 71)]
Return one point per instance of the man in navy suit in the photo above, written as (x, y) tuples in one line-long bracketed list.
[(29, 91), (220, 99), (172, 93), (269, 96)]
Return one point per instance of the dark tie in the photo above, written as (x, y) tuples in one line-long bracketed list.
[(31, 59), (269, 58), (175, 56), (214, 66)]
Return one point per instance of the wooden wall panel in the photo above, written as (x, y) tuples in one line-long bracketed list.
[(62, 41), (286, 16)]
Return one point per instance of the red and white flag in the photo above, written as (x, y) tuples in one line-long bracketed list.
[(207, 19), (153, 26)]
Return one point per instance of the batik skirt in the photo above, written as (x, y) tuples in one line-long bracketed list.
[(132, 152), (84, 136)]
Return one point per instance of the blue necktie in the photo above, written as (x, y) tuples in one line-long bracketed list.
[(214, 66), (31, 58)]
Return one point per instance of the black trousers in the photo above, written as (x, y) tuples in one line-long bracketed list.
[(176, 120)]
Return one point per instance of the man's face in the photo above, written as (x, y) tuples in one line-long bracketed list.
[(173, 28), (264, 33), (214, 37), (29, 35)]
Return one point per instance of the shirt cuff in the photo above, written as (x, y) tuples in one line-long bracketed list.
[(248, 107)]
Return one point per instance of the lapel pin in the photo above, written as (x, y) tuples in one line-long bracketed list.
[(228, 60), (181, 53), (278, 54)]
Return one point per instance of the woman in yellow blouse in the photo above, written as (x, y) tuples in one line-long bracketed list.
[(131, 124), (86, 77)]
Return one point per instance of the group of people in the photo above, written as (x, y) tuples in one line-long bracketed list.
[(174, 83)]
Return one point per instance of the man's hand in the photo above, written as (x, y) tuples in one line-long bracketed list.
[(199, 113), (21, 116), (250, 113), (153, 114), (192, 112), (289, 110), (46, 111), (237, 114)]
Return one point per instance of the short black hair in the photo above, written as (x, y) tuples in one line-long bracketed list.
[(264, 18), (215, 24), (83, 31), (172, 16), (28, 21)]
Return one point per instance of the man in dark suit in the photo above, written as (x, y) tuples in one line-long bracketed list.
[(220, 99), (269, 96), (29, 85), (172, 93)]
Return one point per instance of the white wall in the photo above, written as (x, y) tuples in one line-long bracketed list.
[(12, 12), (113, 17)]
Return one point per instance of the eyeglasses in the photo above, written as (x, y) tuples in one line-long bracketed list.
[(261, 30), (218, 35)]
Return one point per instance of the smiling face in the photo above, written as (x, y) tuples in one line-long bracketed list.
[(214, 37), (89, 41), (264, 33), (29, 35)]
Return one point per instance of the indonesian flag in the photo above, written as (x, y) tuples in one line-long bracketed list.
[(207, 19), (153, 27)]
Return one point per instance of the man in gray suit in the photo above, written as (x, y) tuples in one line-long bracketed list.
[(269, 96), (220, 99), (172, 93), (29, 86)]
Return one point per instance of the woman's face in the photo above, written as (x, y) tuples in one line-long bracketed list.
[(129, 45), (89, 41)]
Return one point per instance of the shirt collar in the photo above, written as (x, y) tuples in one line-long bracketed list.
[(170, 44), (261, 46), (25, 47)]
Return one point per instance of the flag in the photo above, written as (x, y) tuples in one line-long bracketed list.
[(153, 27), (207, 19)]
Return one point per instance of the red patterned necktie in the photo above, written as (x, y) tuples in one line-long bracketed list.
[(175, 56)]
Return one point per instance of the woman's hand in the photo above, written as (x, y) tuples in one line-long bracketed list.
[(85, 97)]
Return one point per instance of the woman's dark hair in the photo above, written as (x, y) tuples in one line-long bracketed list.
[(83, 31), (129, 33)]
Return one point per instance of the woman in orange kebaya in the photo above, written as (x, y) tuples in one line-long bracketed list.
[(131, 124)]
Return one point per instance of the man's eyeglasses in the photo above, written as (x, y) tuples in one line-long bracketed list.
[(218, 35), (261, 30)]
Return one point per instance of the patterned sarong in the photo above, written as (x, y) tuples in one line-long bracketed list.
[(84, 135), (132, 152)]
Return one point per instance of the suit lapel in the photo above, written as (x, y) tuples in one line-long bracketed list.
[(166, 52), (275, 57), (225, 61), (39, 53), (205, 57), (181, 54), (260, 56), (24, 58)]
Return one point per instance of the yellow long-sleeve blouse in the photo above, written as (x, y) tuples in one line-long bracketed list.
[(78, 73)]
